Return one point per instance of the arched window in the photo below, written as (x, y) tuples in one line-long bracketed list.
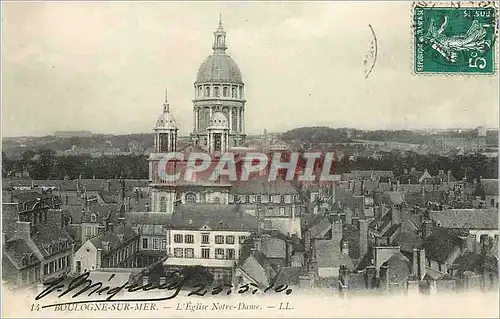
[(219, 40), (224, 91), (216, 91), (163, 204), (207, 91), (200, 91), (233, 91), (190, 198)]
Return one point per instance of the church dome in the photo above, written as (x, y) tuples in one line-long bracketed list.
[(166, 121), (219, 67), (219, 120)]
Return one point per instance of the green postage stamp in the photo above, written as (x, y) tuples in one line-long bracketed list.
[(454, 39)]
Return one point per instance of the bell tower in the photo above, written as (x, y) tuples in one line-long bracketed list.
[(165, 141)]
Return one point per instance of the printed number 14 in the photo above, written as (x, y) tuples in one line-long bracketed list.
[(35, 307)]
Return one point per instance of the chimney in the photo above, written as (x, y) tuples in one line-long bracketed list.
[(355, 221), (370, 274), (471, 243), (449, 176), (105, 245), (396, 215), (421, 264), (55, 216), (363, 237), (344, 244), (384, 278), (257, 242), (337, 232), (397, 186), (23, 229), (427, 226), (414, 267)]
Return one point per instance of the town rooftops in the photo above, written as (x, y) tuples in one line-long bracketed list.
[(466, 218), (328, 255), (19, 253), (360, 174), (136, 218), (115, 238)]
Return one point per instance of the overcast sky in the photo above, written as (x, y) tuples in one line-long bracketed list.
[(104, 67)]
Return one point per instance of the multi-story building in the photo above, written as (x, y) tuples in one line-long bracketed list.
[(36, 248), (113, 249), (153, 232), (209, 236)]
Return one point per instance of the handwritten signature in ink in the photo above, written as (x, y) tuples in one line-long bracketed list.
[(82, 284)]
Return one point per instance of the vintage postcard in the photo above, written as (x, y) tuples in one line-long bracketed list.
[(249, 159)]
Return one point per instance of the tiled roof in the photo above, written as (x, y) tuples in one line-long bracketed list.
[(431, 274), (320, 229), (407, 241), (273, 247), (359, 174), (26, 196), (10, 215), (135, 218), (351, 235), (441, 243), (392, 198), (466, 218), (113, 237), (328, 255), (16, 250), (47, 234), (287, 276), (261, 185), (223, 217), (256, 264)]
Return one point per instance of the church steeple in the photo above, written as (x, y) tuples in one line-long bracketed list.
[(220, 38), (166, 106)]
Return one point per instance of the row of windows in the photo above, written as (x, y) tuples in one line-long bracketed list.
[(188, 239), (207, 91), (251, 199), (56, 265), (205, 239), (156, 243), (191, 199), (220, 253), (123, 254)]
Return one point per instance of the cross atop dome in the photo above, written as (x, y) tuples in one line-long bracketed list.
[(220, 38)]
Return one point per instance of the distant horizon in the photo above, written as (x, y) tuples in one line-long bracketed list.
[(104, 67), (273, 132)]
